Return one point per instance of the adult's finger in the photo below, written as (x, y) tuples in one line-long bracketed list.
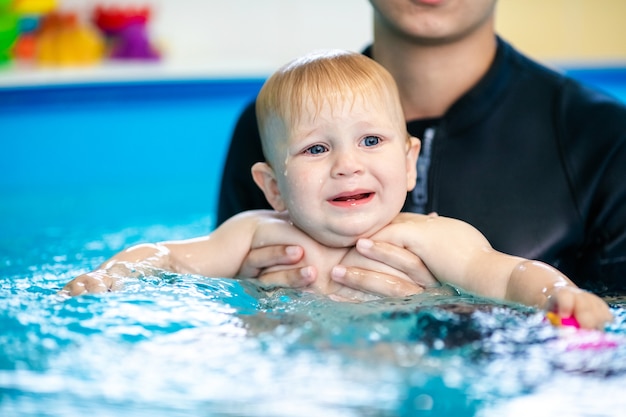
[(289, 278), (260, 258), (375, 282), (398, 258)]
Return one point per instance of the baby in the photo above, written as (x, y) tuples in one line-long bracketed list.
[(339, 162)]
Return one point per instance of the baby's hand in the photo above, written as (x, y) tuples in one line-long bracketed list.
[(92, 282), (590, 311)]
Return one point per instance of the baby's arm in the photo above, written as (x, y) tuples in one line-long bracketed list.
[(537, 284), (219, 254), (132, 262), (458, 254)]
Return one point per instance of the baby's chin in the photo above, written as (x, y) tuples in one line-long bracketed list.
[(343, 232), (343, 239), (339, 241)]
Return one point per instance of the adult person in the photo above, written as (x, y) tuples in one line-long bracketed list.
[(533, 159)]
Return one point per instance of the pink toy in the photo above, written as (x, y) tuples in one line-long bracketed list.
[(559, 321), (581, 339)]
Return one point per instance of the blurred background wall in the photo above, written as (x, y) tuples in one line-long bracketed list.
[(254, 37), (266, 33), (566, 31), (262, 34)]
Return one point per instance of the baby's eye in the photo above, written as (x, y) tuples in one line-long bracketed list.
[(371, 140), (316, 150)]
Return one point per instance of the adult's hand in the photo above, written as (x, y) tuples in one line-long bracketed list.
[(412, 278), (259, 259)]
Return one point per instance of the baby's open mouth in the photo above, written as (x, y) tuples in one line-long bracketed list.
[(354, 197)]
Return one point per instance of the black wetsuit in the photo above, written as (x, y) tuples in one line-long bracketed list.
[(533, 159)]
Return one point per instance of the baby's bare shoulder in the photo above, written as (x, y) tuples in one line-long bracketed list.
[(417, 226), (417, 230), (276, 228), (415, 218)]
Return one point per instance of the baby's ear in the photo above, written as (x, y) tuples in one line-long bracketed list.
[(265, 179), (412, 154)]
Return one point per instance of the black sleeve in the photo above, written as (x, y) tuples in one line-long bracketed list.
[(596, 131), (238, 192)]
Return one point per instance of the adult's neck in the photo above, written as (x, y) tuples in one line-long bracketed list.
[(432, 77)]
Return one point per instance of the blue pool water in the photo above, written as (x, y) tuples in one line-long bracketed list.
[(88, 170)]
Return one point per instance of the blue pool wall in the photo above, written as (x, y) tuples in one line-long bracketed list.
[(90, 134), (157, 143), (148, 152)]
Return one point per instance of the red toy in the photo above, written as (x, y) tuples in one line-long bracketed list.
[(126, 31)]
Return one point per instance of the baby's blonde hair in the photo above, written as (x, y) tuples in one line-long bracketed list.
[(323, 78)]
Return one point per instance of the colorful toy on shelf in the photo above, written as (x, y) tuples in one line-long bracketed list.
[(9, 30), (113, 19), (34, 31), (133, 43), (29, 13), (63, 41), (53, 39), (34, 7), (126, 31), (25, 48)]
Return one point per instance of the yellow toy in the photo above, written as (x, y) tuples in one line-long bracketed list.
[(33, 7), (63, 41)]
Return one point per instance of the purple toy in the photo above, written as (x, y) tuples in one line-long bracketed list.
[(132, 42)]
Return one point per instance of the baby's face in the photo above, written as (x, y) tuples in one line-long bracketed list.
[(346, 170)]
